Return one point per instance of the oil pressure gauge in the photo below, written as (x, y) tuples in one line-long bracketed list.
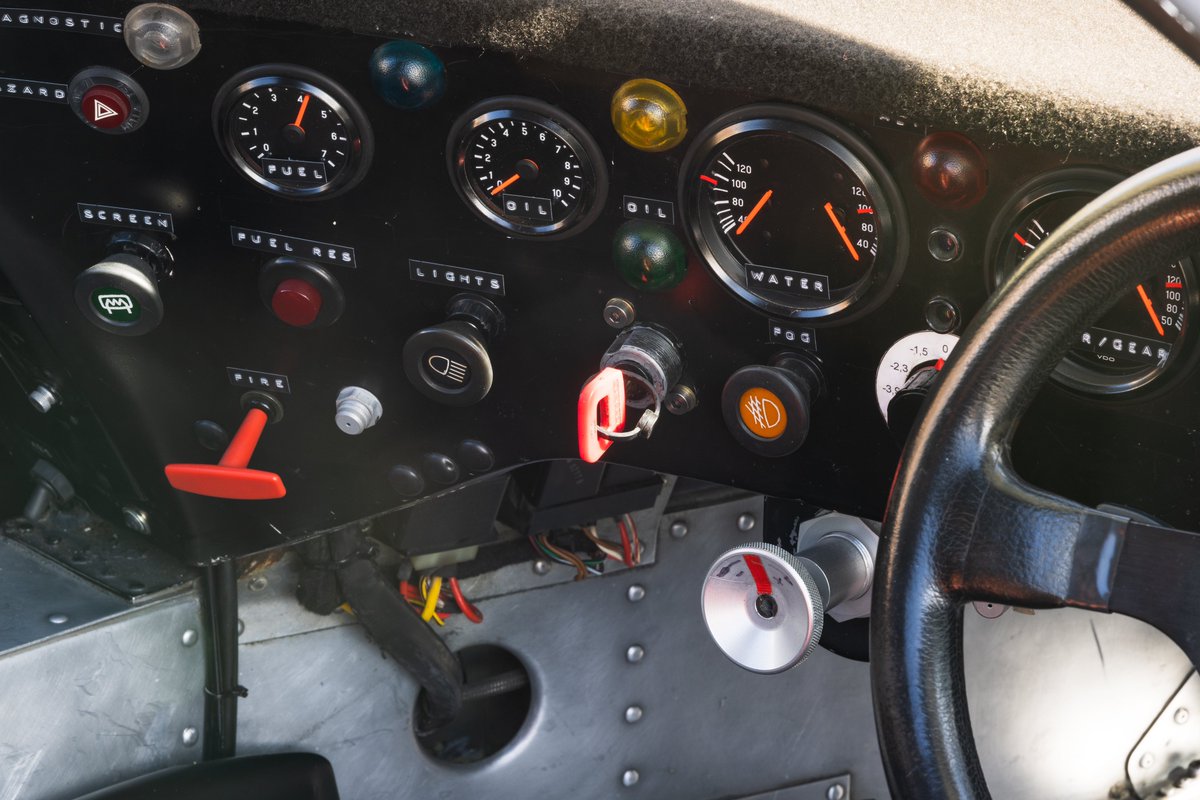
[(293, 131), (527, 168)]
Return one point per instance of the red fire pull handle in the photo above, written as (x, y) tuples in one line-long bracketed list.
[(230, 479)]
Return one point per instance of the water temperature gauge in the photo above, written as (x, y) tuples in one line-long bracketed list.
[(792, 212), (527, 168)]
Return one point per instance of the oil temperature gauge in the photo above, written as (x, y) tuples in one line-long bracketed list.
[(527, 168), (292, 131), (1142, 334)]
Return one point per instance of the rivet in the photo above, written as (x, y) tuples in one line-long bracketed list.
[(835, 792), (635, 593), (1146, 761), (541, 566), (680, 400), (1182, 716), (44, 398), (679, 529), (257, 583), (630, 777), (745, 522), (57, 619), (241, 627), (189, 637), (619, 313), (190, 736), (136, 520), (633, 714), (635, 653)]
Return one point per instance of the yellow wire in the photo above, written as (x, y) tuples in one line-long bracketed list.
[(435, 591)]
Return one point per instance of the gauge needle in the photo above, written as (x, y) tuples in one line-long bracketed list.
[(841, 229), (303, 108), (1150, 310), (516, 177), (762, 201)]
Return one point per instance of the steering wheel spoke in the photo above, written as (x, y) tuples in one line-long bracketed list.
[(1029, 548), (1156, 581), (961, 526)]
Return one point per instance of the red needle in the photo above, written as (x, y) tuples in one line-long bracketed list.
[(841, 229), (303, 108), (762, 201), (1150, 310), (505, 185)]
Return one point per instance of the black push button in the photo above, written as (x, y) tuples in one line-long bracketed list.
[(476, 456), (439, 468), (406, 481), (120, 295), (449, 362)]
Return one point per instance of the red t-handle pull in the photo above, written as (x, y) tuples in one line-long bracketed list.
[(230, 479)]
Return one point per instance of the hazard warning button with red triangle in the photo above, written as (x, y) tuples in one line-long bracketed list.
[(105, 107)]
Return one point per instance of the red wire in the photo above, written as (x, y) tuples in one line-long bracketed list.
[(469, 611), (625, 544)]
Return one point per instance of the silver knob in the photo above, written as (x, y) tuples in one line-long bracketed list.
[(357, 410), (765, 608)]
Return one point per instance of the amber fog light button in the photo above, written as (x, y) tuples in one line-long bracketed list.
[(768, 407), (763, 413)]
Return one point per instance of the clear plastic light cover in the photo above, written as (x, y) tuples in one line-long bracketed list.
[(161, 36)]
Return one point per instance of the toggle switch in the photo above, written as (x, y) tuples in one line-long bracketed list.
[(449, 362), (231, 479)]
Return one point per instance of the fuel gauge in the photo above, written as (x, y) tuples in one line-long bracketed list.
[(293, 131)]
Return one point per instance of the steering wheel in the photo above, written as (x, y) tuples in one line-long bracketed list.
[(961, 526)]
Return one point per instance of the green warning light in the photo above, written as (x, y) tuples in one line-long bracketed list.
[(115, 306)]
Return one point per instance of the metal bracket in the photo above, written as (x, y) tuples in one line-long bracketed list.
[(1170, 744)]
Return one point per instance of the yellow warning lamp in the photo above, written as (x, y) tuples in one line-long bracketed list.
[(649, 115)]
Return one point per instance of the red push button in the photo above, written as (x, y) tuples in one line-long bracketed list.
[(105, 107), (297, 302)]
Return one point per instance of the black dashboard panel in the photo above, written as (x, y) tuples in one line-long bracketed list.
[(147, 392)]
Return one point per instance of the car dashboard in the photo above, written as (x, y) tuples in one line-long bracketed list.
[(273, 272)]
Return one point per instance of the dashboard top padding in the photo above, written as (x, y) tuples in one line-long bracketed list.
[(1097, 82)]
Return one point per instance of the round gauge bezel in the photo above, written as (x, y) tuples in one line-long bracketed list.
[(558, 122), (328, 91), (1070, 373), (705, 236)]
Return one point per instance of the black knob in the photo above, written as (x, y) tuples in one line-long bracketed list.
[(449, 362), (120, 295), (907, 403), (768, 408)]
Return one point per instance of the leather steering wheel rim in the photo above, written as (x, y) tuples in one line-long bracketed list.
[(960, 525)]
